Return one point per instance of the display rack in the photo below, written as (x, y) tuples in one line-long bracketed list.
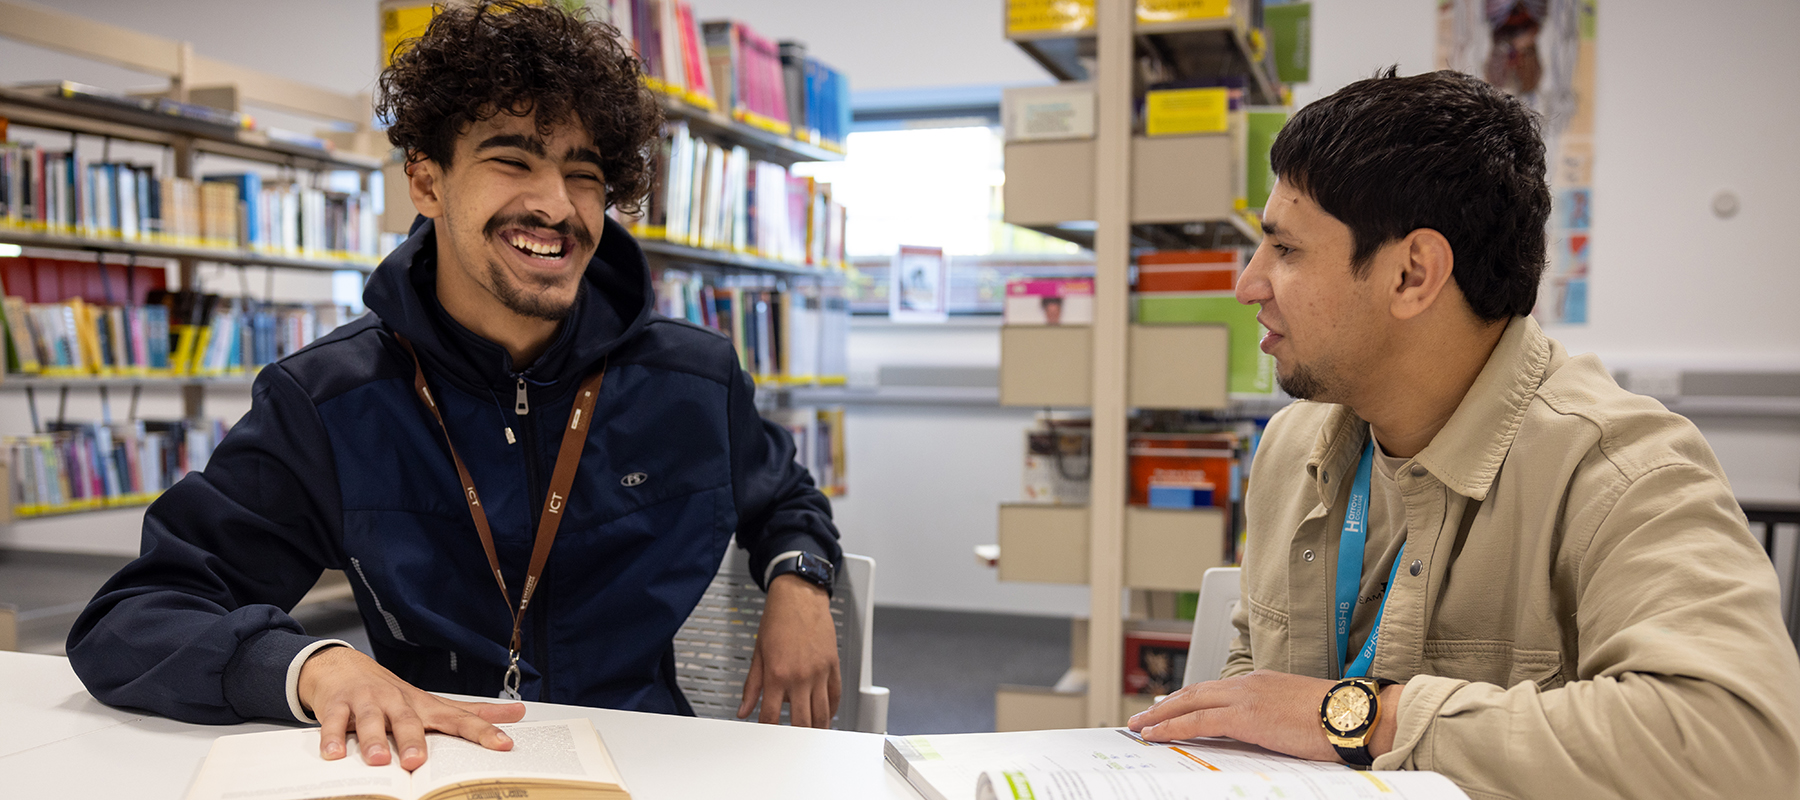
[(1114, 192)]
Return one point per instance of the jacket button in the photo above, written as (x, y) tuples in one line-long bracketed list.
[(1308, 555), (1416, 567), (1325, 475), (1418, 471)]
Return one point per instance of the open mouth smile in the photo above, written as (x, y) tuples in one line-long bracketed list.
[(537, 247)]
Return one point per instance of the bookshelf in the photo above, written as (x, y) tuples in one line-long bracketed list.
[(1119, 191), (93, 124)]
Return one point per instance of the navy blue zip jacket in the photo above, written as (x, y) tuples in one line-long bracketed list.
[(338, 465)]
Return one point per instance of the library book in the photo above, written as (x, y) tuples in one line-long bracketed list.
[(1116, 764), (559, 760)]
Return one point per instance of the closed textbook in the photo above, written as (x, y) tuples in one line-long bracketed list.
[(1114, 764), (564, 759)]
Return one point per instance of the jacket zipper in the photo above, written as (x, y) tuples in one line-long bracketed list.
[(534, 483)]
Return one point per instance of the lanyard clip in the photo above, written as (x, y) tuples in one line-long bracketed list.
[(510, 685)]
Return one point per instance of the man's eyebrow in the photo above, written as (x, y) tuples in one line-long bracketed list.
[(1269, 228), (587, 154), (530, 144)]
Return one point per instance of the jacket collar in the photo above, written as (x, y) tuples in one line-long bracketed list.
[(615, 304), (1467, 453)]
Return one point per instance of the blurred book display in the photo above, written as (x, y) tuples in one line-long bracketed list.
[(1049, 302), (68, 193), (1058, 454), (784, 334), (718, 197), (82, 466), (81, 319), (1198, 286)]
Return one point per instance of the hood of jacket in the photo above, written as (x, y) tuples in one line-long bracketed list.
[(614, 305)]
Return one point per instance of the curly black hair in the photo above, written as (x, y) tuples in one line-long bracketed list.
[(478, 60), (1443, 150)]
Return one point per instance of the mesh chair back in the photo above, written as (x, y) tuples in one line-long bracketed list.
[(714, 647)]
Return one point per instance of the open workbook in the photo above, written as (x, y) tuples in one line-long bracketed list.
[(1115, 764), (561, 760)]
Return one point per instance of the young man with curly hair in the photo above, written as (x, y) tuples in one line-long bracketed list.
[(529, 476), (1471, 552)]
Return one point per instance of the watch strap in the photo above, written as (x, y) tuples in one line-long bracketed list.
[(790, 563)]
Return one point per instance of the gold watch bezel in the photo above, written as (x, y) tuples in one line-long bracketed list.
[(1358, 736)]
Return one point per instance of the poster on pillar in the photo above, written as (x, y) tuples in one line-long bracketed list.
[(1542, 52)]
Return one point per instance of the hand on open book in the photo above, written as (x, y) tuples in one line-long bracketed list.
[(1271, 709), (796, 658), (346, 690)]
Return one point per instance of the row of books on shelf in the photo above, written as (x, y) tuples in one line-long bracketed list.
[(56, 324), (719, 198), (64, 192), (794, 335), (818, 444), (727, 65), (80, 466)]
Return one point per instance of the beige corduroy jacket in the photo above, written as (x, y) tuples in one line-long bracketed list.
[(1590, 618)]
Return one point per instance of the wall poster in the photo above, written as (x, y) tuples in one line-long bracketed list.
[(1541, 51)]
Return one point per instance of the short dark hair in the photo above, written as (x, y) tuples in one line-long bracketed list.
[(1444, 151), (478, 60)]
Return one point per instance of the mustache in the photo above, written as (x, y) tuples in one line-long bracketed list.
[(573, 230)]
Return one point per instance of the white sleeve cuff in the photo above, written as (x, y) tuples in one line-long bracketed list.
[(293, 677)]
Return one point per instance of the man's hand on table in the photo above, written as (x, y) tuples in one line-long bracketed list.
[(347, 691), (796, 658), (1271, 709)]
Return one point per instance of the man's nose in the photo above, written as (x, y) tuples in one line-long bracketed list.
[(1253, 283)]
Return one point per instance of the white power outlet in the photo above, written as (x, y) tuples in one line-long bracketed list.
[(1656, 382)]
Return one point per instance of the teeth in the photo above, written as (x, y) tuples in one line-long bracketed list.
[(533, 247)]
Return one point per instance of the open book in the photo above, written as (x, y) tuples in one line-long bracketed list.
[(1115, 764), (562, 760)]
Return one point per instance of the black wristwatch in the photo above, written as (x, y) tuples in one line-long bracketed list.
[(815, 569), (1349, 713)]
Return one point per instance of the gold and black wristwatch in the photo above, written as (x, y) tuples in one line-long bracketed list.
[(1349, 713)]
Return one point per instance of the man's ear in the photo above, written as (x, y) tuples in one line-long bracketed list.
[(425, 182), (1426, 262)]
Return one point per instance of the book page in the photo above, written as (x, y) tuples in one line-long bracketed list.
[(286, 765), (563, 750), (950, 766), (1140, 785)]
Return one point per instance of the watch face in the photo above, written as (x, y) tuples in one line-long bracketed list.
[(813, 568), (1347, 709)]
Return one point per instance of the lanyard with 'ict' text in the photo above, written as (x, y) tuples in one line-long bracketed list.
[(568, 458), (1349, 569)]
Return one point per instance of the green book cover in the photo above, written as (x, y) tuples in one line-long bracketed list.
[(1290, 32), (1259, 180), (1251, 370)]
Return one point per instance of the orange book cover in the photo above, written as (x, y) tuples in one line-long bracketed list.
[(1182, 458), (1188, 271)]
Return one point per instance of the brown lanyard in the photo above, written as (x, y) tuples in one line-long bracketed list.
[(568, 458)]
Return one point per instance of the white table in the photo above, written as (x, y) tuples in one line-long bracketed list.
[(56, 740)]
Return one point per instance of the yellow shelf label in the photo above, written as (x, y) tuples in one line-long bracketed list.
[(1150, 11), (1177, 111), (1049, 16)]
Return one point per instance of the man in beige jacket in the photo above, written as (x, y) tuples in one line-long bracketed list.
[(1540, 584)]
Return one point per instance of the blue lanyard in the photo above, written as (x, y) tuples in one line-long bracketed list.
[(1349, 568)]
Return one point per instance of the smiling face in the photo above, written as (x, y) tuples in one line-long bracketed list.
[(1327, 327), (518, 215)]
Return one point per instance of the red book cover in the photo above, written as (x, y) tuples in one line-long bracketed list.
[(1182, 458), (1155, 661)]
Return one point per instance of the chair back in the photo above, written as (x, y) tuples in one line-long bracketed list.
[(714, 647), (1213, 630)]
